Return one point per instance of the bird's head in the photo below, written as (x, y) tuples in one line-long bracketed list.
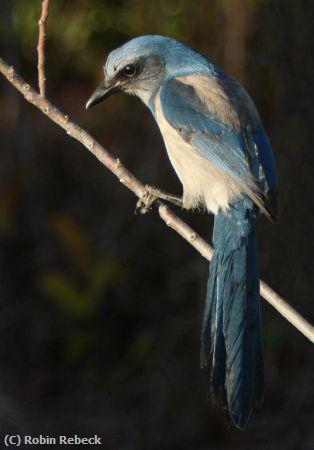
[(140, 65)]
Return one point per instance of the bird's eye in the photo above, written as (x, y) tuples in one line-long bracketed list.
[(129, 70)]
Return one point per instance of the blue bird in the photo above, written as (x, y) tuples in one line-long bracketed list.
[(219, 149)]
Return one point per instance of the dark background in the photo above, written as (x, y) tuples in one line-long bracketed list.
[(100, 309)]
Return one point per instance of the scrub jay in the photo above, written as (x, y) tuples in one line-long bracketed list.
[(221, 154)]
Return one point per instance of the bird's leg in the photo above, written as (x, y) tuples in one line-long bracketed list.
[(151, 194)]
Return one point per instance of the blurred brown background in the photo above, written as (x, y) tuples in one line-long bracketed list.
[(100, 309)]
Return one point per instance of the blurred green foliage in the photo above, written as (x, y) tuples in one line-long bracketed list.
[(80, 31), (78, 290), (81, 287)]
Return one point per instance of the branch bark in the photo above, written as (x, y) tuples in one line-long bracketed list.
[(41, 47), (125, 177)]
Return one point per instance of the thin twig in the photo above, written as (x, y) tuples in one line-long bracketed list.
[(41, 47), (126, 178)]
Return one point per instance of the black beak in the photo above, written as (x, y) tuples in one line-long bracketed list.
[(103, 91)]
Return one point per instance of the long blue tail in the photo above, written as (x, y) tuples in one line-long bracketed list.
[(231, 336)]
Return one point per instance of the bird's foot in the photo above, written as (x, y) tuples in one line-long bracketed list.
[(151, 194)]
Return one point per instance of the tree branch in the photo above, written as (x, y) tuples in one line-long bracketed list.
[(41, 47), (132, 183)]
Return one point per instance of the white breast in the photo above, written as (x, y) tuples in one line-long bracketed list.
[(203, 182)]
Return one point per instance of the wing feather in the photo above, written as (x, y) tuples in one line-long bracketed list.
[(234, 147)]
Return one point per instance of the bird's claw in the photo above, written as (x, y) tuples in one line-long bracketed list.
[(145, 202), (150, 195)]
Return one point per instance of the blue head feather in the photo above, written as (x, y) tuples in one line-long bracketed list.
[(178, 58)]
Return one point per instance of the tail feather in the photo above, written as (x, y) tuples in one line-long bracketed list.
[(231, 337)]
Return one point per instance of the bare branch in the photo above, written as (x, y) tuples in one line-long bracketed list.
[(41, 47), (126, 178)]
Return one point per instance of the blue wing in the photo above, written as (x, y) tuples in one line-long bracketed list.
[(240, 149)]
